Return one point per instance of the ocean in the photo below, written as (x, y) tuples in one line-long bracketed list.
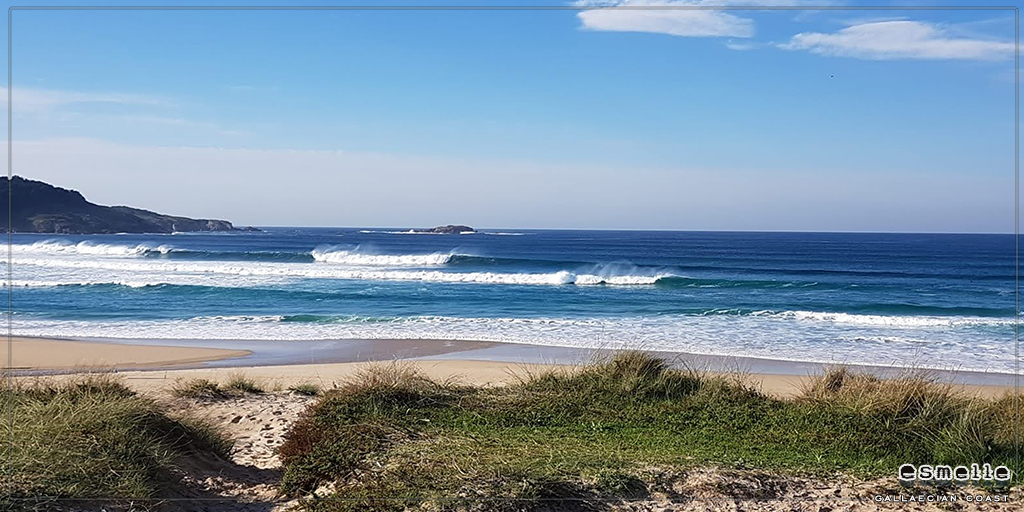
[(925, 300)]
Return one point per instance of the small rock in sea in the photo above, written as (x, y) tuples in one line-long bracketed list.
[(447, 229)]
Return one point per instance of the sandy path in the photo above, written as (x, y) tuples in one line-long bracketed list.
[(249, 480), (257, 423)]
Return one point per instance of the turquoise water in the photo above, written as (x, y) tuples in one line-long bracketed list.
[(907, 299)]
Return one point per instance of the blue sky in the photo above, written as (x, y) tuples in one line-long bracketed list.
[(791, 120)]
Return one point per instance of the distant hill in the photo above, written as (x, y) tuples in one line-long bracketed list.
[(38, 207)]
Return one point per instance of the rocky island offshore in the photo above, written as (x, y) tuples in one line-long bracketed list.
[(447, 229), (38, 207)]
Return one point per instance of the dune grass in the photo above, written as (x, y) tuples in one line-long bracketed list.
[(197, 388), (240, 383), (237, 384), (305, 389), (94, 438), (392, 438)]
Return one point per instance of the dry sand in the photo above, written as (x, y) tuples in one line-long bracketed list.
[(132, 360), (477, 373), (326, 376), (54, 354)]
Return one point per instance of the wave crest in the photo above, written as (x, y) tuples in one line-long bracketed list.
[(356, 258), (192, 269), (87, 247), (885, 320)]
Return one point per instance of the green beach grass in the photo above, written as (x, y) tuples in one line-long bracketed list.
[(93, 438), (573, 439), (237, 384), (393, 439), (306, 389)]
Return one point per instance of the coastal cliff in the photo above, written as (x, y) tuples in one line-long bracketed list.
[(38, 207)]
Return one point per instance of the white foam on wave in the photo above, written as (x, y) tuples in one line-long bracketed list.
[(128, 272), (142, 282), (591, 279), (730, 335), (356, 258), (88, 248), (300, 270), (241, 318), (35, 283), (886, 320)]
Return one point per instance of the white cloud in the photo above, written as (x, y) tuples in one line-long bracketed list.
[(676, 22), (26, 99), (49, 112), (687, 18), (888, 40)]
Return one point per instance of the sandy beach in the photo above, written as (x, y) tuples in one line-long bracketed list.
[(150, 366), (57, 354)]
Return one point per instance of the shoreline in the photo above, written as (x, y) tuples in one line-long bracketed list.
[(476, 362)]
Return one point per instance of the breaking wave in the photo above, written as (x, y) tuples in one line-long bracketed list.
[(775, 338), (562, 277), (888, 320), (356, 258), (88, 248)]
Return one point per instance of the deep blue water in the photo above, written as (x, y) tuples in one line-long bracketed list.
[(909, 299)]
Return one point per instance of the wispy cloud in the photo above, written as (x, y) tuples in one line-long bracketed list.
[(27, 99), (890, 40), (86, 113), (177, 122), (740, 46), (686, 18), (675, 22)]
